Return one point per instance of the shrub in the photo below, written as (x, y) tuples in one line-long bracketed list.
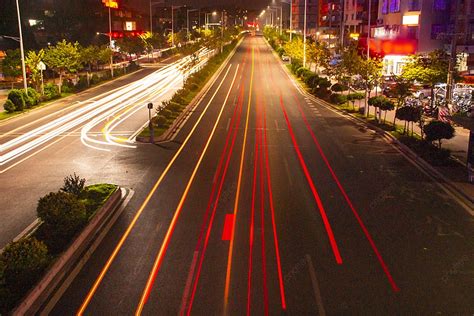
[(51, 91), (161, 121), (16, 96), (95, 79), (338, 98), (312, 80), (63, 215), (174, 107), (280, 51), (9, 106), (193, 86), (337, 87), (82, 83), (23, 263), (166, 113), (32, 98), (438, 130), (73, 184), (95, 195)]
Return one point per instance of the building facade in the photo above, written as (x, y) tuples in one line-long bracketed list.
[(312, 16)]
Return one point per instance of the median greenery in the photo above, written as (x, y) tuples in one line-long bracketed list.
[(63, 215), (171, 109)]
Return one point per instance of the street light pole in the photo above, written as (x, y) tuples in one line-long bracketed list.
[(187, 22), (304, 33), (110, 43), (151, 19), (25, 84), (291, 20)]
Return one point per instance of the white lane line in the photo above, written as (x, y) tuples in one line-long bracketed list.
[(287, 168), (187, 288), (228, 125), (316, 289), (276, 125)]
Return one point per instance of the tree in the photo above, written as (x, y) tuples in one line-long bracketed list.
[(318, 52), (62, 215), (131, 46), (371, 73), (294, 49), (401, 91), (427, 69), (63, 58), (33, 60), (438, 130), (73, 184), (409, 114), (383, 104), (11, 65)]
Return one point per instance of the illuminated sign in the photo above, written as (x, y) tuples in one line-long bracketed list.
[(411, 19), (110, 4), (354, 36), (130, 26)]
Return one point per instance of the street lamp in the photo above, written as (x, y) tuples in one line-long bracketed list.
[(25, 85), (304, 33), (214, 13), (110, 4)]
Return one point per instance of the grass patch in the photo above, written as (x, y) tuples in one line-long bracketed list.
[(94, 196)]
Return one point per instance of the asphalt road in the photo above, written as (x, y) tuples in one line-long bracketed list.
[(91, 133), (269, 203)]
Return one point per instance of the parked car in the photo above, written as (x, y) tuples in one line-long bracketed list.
[(285, 58), (421, 91)]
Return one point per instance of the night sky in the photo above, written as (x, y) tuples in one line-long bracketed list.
[(245, 4)]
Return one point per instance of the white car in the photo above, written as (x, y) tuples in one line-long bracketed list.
[(285, 57)]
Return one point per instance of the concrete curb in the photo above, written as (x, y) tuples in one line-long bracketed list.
[(186, 113), (41, 299)]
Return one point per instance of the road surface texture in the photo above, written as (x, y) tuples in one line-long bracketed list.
[(91, 134), (269, 203)]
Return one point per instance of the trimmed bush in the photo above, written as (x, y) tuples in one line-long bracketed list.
[(51, 91), (166, 113), (63, 215), (438, 130), (174, 107), (161, 121), (337, 87), (337, 98), (16, 96), (22, 264), (193, 86), (9, 106)]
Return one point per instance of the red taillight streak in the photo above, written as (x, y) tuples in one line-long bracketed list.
[(228, 224), (316, 196), (272, 209), (206, 241), (262, 229), (349, 202), (252, 221)]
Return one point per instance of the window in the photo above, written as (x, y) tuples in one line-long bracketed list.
[(394, 6), (437, 29), (440, 5), (413, 5), (385, 7)]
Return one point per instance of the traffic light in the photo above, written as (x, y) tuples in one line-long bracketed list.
[(110, 4)]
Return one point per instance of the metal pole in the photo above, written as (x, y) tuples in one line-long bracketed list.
[(42, 83), (187, 26), (304, 34), (368, 29), (25, 84), (172, 26), (452, 59), (151, 20), (281, 19), (291, 20), (342, 23), (110, 44)]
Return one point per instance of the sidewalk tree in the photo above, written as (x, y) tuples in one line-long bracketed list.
[(401, 91), (131, 46), (89, 57), (438, 130), (383, 104), (409, 114), (319, 54), (428, 69), (33, 61), (11, 64), (371, 73), (63, 58), (294, 49)]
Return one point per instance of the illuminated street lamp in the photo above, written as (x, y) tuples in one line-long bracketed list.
[(25, 85), (188, 36), (111, 4)]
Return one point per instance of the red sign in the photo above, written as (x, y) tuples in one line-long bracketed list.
[(110, 4)]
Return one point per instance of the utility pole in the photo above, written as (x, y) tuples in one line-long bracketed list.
[(110, 44), (304, 33), (291, 20), (25, 84), (343, 22), (453, 57)]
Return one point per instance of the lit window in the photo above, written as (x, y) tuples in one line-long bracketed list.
[(385, 7), (394, 6), (440, 5)]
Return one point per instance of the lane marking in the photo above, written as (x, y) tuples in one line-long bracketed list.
[(239, 183), (316, 289), (169, 233), (327, 225), (189, 281), (145, 202), (228, 224)]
